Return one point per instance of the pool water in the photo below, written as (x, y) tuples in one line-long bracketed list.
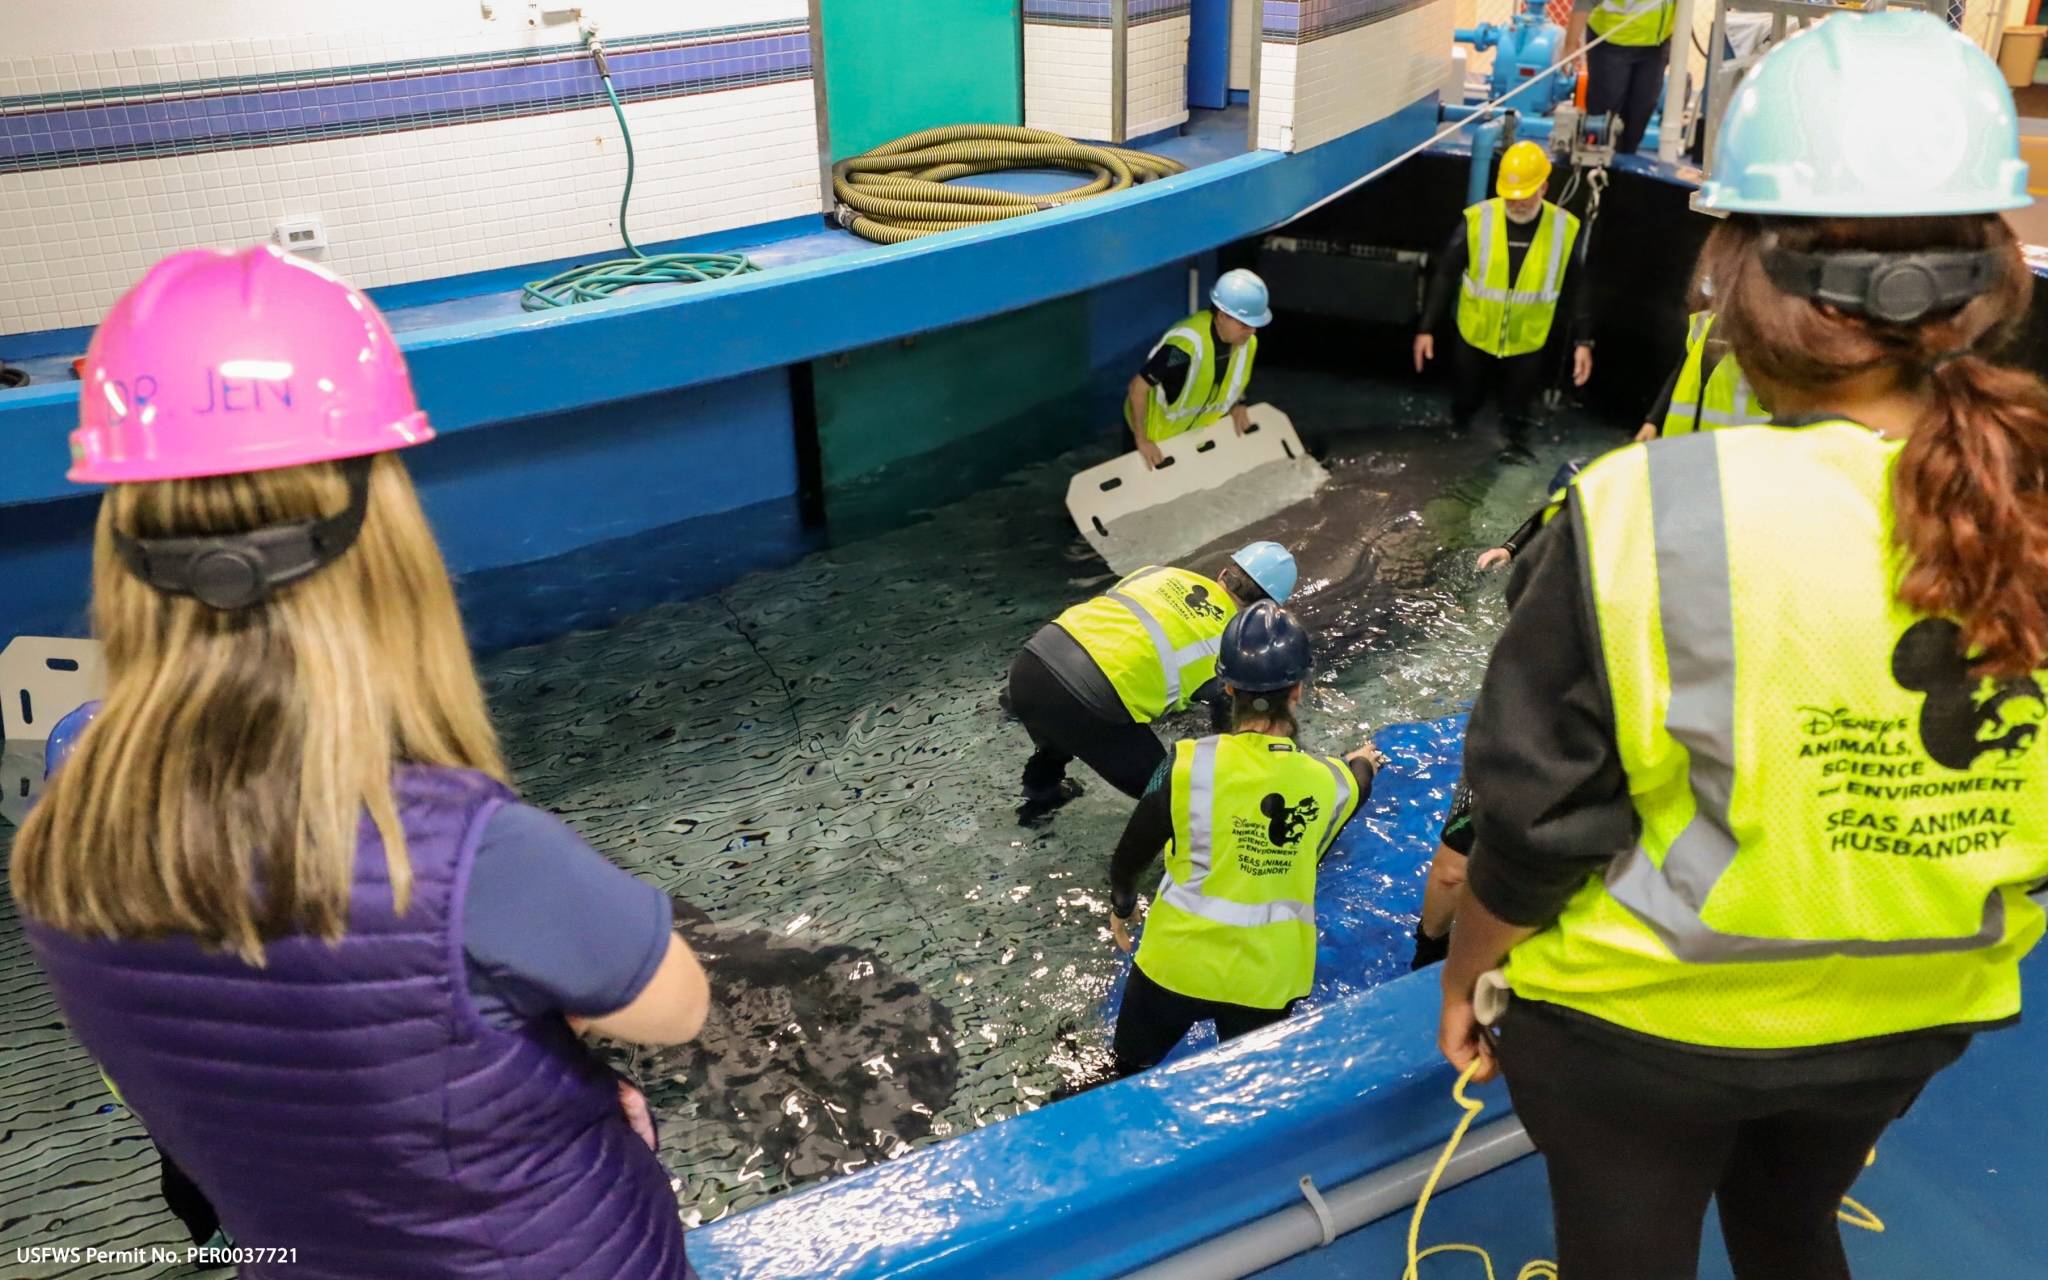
[(814, 765)]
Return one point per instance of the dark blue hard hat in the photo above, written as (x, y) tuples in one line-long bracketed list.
[(64, 735), (1264, 650), (1566, 474)]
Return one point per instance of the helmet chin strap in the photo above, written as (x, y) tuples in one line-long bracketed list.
[(234, 571), (1898, 288)]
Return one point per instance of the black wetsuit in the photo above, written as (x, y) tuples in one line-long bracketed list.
[(1153, 1019), (1516, 381), (1072, 711), (1637, 1131)]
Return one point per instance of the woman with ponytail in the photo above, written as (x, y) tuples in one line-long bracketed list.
[(1758, 760), (1243, 819)]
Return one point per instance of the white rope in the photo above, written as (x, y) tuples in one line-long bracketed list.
[(1478, 114)]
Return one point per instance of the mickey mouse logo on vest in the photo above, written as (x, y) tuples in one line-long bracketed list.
[(1287, 823), (1965, 717), (1198, 603)]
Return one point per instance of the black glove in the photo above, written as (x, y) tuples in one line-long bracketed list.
[(1428, 950), (1123, 902)]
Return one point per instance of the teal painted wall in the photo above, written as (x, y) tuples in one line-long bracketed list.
[(896, 66)]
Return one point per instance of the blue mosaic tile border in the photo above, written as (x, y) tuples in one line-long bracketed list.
[(1095, 13), (103, 126), (1302, 21)]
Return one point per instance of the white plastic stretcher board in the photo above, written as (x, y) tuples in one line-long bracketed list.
[(42, 680), (21, 779), (1197, 462)]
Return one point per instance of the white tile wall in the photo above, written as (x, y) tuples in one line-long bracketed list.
[(1156, 77), (1313, 92), (1066, 79), (413, 206), (1245, 16), (402, 206)]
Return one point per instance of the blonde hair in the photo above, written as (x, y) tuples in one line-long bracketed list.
[(220, 791)]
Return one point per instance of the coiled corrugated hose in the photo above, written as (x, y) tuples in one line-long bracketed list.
[(900, 190)]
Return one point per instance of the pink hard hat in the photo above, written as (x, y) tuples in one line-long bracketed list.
[(220, 363)]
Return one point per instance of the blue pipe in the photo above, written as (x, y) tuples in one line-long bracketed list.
[(1534, 127), (1484, 139)]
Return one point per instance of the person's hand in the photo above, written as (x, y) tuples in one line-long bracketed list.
[(1241, 417), (1150, 451), (1370, 754), (639, 1118), (1120, 929), (1649, 432), (1582, 366), (1493, 558), (1425, 350), (1462, 1040)]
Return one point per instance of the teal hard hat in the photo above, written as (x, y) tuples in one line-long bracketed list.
[(1241, 295), (1268, 564), (1880, 115)]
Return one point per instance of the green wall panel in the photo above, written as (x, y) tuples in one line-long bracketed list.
[(896, 66), (888, 403)]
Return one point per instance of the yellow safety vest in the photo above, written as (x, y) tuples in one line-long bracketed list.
[(1156, 635), (1838, 822), (1202, 399), (1634, 23), (1235, 916), (1493, 317), (1704, 400)]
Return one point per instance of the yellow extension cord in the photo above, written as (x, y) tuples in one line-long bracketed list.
[(1852, 1212), (899, 191)]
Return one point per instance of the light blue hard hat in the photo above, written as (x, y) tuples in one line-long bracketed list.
[(1880, 115), (1270, 565), (1241, 295)]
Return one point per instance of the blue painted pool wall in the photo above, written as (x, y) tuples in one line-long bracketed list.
[(1095, 1186), (717, 460)]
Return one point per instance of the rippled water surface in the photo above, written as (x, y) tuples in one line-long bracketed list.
[(813, 764)]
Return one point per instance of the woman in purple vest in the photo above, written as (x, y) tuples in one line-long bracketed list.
[(281, 888)]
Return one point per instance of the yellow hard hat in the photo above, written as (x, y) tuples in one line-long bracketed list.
[(1523, 171)]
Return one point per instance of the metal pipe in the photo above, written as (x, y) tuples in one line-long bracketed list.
[(1297, 1228), (1256, 73), (1485, 138), (816, 34), (1677, 69), (1119, 68)]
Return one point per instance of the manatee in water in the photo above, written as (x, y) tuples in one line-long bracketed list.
[(818, 1057)]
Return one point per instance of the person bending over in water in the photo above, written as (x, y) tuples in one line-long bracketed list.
[(1244, 819), (1446, 883), (1090, 683), (281, 888)]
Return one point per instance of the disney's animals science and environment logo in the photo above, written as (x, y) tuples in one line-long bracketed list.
[(1964, 717), (1287, 823), (1199, 603)]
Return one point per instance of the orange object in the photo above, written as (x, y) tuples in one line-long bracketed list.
[(78, 367), (1579, 94)]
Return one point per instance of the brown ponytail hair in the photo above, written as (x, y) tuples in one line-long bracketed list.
[(1970, 491)]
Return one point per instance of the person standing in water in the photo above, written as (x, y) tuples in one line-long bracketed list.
[(1197, 373), (281, 888), (1446, 883), (1244, 818), (1707, 391), (1514, 262), (1759, 757), (1090, 683)]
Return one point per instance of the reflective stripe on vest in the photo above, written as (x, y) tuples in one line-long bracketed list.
[(1504, 318), (1202, 399), (1234, 917), (1155, 636), (1171, 659), (1710, 400), (1837, 822), (1634, 23)]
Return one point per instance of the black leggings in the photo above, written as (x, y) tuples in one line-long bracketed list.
[(1153, 1020), (1626, 79), (186, 1200), (1063, 729), (1514, 381), (1636, 1147)]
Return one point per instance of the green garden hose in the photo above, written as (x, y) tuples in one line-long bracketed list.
[(596, 280), (899, 191)]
